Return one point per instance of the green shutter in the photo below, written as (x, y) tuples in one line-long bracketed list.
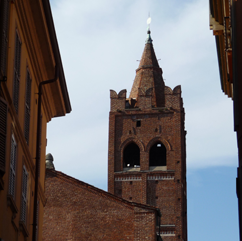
[(24, 195), (12, 174), (27, 107), (16, 71)]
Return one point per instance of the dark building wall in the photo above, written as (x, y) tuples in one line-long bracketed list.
[(78, 211)]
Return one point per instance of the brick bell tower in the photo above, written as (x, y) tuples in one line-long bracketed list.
[(147, 150)]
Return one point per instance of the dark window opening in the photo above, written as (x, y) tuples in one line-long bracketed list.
[(158, 155), (127, 104), (131, 157), (138, 123)]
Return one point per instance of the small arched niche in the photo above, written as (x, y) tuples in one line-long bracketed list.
[(131, 156), (157, 157)]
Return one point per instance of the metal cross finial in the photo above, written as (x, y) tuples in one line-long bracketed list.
[(149, 40), (148, 22)]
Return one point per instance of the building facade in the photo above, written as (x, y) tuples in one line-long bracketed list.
[(147, 150), (226, 24), (29, 55)]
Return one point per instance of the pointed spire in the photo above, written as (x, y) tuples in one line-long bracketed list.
[(148, 58), (149, 76)]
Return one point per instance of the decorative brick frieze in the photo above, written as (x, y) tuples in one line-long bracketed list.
[(161, 177), (134, 178)]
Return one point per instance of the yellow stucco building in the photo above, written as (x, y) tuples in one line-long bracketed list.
[(29, 54)]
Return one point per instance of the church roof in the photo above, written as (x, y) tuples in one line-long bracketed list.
[(148, 77), (50, 173)]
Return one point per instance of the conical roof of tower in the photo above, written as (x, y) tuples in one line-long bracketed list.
[(149, 76), (148, 58)]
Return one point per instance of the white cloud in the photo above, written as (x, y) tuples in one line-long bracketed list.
[(210, 137)]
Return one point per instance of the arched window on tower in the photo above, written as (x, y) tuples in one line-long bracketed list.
[(157, 155), (131, 156)]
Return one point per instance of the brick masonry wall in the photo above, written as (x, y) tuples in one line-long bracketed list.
[(147, 221), (78, 211)]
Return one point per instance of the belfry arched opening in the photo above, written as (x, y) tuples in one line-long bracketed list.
[(131, 155), (157, 155)]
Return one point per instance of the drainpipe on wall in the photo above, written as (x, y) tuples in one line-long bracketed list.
[(159, 215), (37, 163)]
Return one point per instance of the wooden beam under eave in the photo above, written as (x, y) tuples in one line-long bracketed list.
[(230, 73), (217, 32), (230, 64), (218, 11), (223, 63), (226, 8)]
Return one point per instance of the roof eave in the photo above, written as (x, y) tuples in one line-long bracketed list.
[(56, 51)]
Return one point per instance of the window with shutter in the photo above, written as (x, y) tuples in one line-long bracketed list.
[(3, 133), (12, 174), (27, 107), (4, 8), (16, 72), (24, 195)]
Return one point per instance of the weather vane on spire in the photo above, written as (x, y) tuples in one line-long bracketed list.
[(148, 22), (148, 40)]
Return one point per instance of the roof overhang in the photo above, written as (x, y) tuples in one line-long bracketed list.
[(220, 23), (56, 52)]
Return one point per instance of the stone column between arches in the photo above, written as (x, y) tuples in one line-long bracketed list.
[(144, 161)]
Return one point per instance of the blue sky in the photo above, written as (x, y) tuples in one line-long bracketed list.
[(100, 43), (212, 204)]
